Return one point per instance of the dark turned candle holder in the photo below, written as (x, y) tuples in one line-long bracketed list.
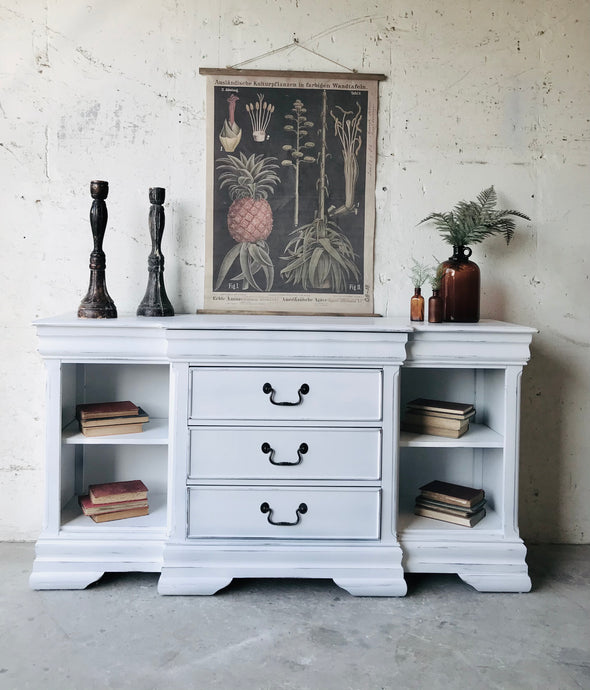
[(97, 304), (155, 301)]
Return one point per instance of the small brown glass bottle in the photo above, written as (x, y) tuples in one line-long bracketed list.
[(435, 307), (417, 306)]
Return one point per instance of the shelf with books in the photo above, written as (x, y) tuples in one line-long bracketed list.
[(478, 436), (423, 527), (73, 549), (475, 459), (479, 467), (147, 385), (155, 432), (86, 464), (483, 388), (479, 366), (153, 525)]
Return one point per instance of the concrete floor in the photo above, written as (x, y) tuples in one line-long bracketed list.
[(298, 634)]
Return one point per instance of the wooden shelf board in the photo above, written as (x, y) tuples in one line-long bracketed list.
[(74, 521), (478, 436), (416, 525), (155, 432)]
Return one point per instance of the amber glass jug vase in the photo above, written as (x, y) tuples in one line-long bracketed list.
[(460, 287)]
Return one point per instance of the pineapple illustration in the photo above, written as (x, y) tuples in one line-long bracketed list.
[(250, 181)]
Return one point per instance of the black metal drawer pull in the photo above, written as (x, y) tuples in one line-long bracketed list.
[(268, 389), (301, 451), (301, 510)]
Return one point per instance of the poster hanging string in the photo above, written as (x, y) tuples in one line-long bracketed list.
[(295, 43)]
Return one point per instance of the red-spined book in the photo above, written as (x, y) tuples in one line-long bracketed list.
[(119, 408), (116, 492)]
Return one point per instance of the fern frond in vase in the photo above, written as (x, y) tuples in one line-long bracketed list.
[(470, 222)]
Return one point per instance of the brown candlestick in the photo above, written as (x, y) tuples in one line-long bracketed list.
[(97, 304), (155, 301)]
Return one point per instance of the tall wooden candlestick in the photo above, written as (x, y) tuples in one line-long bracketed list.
[(155, 301), (97, 304)]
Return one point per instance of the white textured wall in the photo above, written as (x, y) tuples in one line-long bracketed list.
[(478, 93)]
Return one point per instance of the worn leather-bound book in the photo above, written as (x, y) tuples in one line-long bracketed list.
[(139, 418), (114, 492), (466, 521), (441, 406), (117, 408), (452, 493), (423, 427), (415, 416), (111, 429), (120, 514), (90, 508)]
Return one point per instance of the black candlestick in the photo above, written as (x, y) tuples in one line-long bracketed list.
[(97, 304), (155, 301)]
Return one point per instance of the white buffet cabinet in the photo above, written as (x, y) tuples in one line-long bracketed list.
[(273, 450)]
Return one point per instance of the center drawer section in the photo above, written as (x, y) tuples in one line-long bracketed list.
[(221, 452), (285, 394), (286, 513)]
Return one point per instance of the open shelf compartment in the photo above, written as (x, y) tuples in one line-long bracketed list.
[(122, 457)]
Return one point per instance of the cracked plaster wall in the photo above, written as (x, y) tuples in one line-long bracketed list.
[(476, 94)]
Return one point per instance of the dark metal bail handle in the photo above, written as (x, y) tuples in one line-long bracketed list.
[(301, 510), (301, 451), (303, 390)]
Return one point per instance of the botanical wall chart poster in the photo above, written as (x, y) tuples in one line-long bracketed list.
[(291, 192)]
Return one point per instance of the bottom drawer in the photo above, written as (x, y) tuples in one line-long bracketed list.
[(286, 513)]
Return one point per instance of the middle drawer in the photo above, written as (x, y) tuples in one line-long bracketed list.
[(284, 453)]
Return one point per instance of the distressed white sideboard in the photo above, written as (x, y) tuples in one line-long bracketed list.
[(273, 450)]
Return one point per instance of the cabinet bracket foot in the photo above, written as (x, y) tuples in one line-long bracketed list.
[(497, 582), (63, 579), (369, 587)]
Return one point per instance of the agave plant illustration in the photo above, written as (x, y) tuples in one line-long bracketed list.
[(470, 222), (319, 255), (298, 125), (250, 182)]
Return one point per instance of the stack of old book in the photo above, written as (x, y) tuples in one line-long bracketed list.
[(461, 505), (437, 417), (115, 501), (109, 418)]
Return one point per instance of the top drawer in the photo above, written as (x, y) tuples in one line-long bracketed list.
[(285, 394)]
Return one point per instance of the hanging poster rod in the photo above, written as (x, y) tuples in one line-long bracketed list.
[(233, 72)]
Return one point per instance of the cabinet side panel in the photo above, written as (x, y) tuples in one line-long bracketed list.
[(490, 399)]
